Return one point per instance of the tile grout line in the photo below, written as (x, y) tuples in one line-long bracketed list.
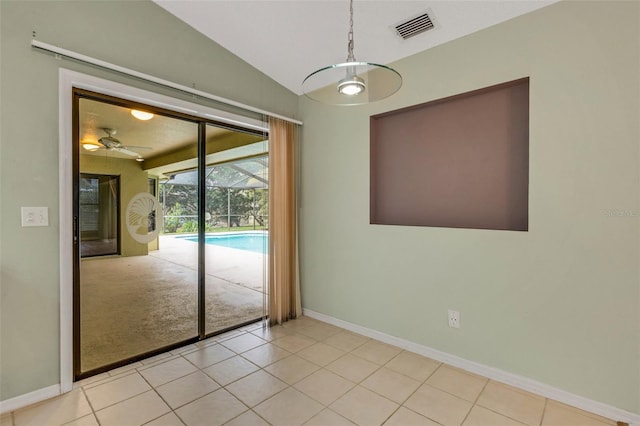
[(425, 383), (446, 391), (246, 332), (108, 379), (198, 369), (379, 367), (160, 396), (412, 393), (291, 386), (110, 405), (295, 389), (544, 411), (158, 393), (475, 401), (93, 412), (497, 412)]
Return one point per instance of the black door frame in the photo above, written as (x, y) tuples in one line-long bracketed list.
[(202, 123)]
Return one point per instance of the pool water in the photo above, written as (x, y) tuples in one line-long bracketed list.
[(257, 242)]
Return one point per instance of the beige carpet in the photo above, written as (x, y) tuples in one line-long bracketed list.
[(132, 305)]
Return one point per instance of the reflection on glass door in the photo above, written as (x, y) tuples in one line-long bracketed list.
[(99, 215)]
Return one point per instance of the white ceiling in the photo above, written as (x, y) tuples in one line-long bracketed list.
[(289, 39)]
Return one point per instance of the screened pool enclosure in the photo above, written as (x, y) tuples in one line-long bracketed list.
[(236, 197)]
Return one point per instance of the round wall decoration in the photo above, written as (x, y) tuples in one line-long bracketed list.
[(141, 217)]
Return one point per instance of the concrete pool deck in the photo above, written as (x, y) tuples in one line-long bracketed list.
[(132, 305), (240, 267)]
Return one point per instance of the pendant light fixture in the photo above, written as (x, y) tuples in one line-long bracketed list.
[(357, 82)]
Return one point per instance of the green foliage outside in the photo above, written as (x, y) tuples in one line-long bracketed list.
[(226, 208)]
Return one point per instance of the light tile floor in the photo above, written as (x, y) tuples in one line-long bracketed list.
[(302, 373)]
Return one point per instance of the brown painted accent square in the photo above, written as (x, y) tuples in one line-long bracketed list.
[(457, 162)]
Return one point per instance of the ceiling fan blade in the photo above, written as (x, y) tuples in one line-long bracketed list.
[(136, 147), (109, 142), (126, 151)]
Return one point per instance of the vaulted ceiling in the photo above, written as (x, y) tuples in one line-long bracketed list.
[(289, 39)]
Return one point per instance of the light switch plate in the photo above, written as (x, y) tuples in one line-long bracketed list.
[(35, 216)]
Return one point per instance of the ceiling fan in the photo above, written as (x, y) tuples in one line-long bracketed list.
[(110, 143)]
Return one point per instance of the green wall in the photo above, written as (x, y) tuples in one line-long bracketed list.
[(133, 34), (558, 304)]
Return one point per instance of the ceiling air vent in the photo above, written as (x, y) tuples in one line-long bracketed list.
[(414, 26)]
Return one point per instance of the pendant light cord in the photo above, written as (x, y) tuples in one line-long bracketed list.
[(350, 58)]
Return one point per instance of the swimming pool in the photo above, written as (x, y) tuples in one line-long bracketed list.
[(256, 242)]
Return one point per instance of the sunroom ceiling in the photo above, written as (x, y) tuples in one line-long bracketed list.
[(242, 174), (168, 145)]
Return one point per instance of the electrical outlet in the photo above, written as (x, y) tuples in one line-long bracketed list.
[(454, 319)]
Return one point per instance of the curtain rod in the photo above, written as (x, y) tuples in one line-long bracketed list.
[(107, 65)]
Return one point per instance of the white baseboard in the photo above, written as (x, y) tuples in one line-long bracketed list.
[(21, 401), (498, 375)]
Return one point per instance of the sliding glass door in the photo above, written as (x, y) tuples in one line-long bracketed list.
[(170, 237), (141, 297), (236, 223)]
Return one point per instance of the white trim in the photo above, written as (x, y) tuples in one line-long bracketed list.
[(107, 87), (166, 83), (21, 401), (498, 375), (65, 208)]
